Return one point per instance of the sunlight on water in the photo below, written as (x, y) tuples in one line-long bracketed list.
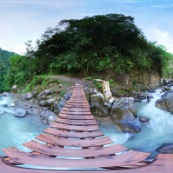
[(15, 131)]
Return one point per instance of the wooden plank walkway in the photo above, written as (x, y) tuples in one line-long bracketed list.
[(73, 143)]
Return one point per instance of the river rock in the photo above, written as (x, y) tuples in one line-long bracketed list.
[(14, 88), (151, 91), (43, 103), (58, 106), (20, 113), (149, 96), (50, 101), (166, 101), (166, 149), (5, 105), (67, 95), (97, 104), (111, 100), (47, 92), (4, 94), (106, 90), (143, 119), (28, 96), (123, 114), (87, 93)]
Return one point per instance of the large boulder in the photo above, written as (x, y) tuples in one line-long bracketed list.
[(97, 104), (166, 149), (106, 90), (123, 114), (166, 101), (20, 113)]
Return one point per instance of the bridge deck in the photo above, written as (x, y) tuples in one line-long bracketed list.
[(73, 143)]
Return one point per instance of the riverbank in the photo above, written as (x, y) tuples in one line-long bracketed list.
[(41, 105)]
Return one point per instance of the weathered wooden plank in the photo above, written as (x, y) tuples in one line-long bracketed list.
[(75, 122), (76, 109), (57, 151), (68, 134), (76, 106), (74, 142), (76, 113), (74, 127), (163, 164), (127, 158), (76, 117)]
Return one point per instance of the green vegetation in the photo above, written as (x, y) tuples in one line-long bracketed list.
[(98, 43), (4, 64), (93, 44), (41, 81)]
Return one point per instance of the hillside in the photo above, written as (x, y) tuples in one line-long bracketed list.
[(109, 47), (4, 64), (4, 55)]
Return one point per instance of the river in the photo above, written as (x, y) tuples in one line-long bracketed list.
[(159, 130), (15, 131)]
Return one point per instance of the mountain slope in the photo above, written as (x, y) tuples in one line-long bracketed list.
[(4, 55)]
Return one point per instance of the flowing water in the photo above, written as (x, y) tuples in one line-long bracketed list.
[(15, 131), (158, 131)]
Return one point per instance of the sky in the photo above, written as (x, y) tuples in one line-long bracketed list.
[(23, 20)]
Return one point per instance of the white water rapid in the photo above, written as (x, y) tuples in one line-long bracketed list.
[(158, 131)]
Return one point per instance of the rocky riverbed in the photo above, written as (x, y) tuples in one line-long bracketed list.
[(116, 110)]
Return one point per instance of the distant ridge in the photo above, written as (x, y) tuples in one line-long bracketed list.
[(4, 56)]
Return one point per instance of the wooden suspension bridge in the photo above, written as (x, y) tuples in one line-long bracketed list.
[(74, 144)]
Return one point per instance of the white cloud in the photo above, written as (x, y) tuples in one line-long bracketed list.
[(162, 37)]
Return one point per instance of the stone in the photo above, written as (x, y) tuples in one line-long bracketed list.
[(97, 104), (111, 100), (14, 88), (42, 103), (20, 113), (106, 90), (149, 96), (51, 118), (67, 96), (28, 96), (123, 114), (47, 92), (166, 149), (143, 119), (108, 105), (58, 106), (87, 93), (50, 101), (5, 105), (151, 91), (166, 101)]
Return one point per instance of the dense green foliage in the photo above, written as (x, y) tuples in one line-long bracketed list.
[(4, 64), (92, 44), (98, 43)]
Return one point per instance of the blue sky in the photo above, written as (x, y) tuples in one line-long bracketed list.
[(23, 20)]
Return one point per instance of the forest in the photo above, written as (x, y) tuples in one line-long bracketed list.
[(92, 44)]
